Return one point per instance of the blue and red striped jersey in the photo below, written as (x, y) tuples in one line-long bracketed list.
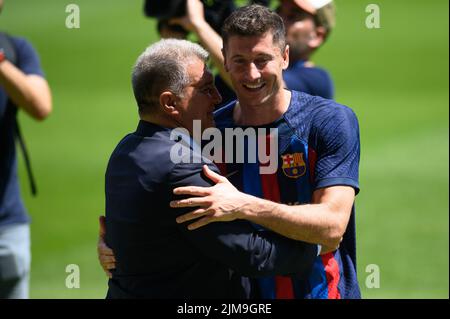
[(318, 146)]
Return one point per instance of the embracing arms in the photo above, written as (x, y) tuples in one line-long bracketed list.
[(322, 222)]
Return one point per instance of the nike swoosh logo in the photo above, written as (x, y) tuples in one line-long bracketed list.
[(231, 174)]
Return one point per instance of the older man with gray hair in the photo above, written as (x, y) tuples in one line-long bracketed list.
[(155, 256)]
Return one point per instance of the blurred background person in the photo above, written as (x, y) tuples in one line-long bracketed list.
[(308, 24), (22, 87)]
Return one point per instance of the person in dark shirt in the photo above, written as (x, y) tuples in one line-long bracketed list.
[(22, 87), (155, 256)]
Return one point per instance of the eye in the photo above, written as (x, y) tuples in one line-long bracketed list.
[(239, 61), (261, 62), (208, 90)]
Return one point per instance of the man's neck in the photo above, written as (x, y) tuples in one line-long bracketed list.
[(304, 56), (262, 114)]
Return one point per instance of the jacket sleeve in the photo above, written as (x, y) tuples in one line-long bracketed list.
[(238, 244)]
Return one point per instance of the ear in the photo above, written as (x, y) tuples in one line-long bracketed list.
[(285, 55), (224, 60), (168, 102), (317, 38)]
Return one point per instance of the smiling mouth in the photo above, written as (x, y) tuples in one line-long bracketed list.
[(254, 87)]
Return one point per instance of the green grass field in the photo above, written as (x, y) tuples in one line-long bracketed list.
[(395, 78)]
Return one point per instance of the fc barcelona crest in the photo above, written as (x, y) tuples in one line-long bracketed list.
[(293, 165)]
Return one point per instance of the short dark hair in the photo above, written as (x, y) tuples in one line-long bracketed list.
[(254, 20)]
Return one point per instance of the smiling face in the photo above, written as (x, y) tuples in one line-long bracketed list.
[(199, 99), (255, 65)]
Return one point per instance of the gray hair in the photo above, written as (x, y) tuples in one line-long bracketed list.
[(163, 66)]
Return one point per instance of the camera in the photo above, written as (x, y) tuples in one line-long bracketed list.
[(216, 11)]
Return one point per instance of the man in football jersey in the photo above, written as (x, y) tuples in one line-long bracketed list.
[(318, 161), (310, 198)]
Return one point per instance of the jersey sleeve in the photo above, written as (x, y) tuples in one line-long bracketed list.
[(338, 148), (238, 244), (28, 59)]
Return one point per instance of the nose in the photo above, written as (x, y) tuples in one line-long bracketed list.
[(253, 73)]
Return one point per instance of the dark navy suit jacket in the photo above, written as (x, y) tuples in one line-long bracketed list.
[(158, 258)]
